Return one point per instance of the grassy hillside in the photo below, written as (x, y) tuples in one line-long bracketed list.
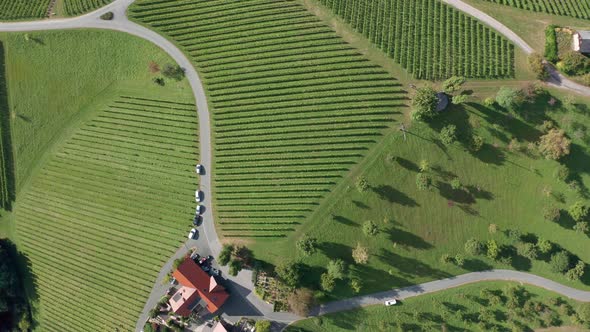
[(294, 107), (482, 306)]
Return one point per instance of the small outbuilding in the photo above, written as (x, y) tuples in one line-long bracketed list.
[(581, 42), (443, 101)]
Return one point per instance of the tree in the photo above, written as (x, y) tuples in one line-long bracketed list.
[(456, 184), (554, 144), (537, 66), (153, 313), (583, 313), (551, 213), (453, 84), (509, 98), (459, 99), (360, 254), (336, 268), (361, 184), (424, 104), (289, 273), (177, 262), (173, 72), (424, 166), (356, 285), (576, 272), (581, 227), (574, 63), (493, 251), (448, 134), (562, 173), (225, 254), (327, 282), (489, 101), (476, 143), (423, 181), (262, 326), (578, 211), (560, 262), (235, 266), (24, 324), (474, 247), (527, 250), (370, 228), (301, 301), (459, 260), (544, 246), (307, 245)]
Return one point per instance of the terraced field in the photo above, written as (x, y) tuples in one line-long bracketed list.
[(294, 107), (108, 208), (431, 40), (572, 8), (78, 7), (23, 9)]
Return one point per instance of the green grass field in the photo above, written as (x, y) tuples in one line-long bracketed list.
[(105, 165), (294, 107), (481, 306)]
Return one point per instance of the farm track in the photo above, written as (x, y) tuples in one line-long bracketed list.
[(210, 239)]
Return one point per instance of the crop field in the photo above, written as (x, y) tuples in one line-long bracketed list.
[(294, 107), (23, 9), (6, 160), (431, 40), (78, 7), (572, 8), (107, 209)]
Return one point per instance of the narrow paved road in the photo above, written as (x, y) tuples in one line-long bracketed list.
[(243, 301), (557, 79)]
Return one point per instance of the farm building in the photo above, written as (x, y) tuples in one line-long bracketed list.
[(197, 289), (581, 42)]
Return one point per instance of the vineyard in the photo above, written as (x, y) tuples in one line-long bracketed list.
[(23, 9), (431, 40), (108, 208), (294, 107), (572, 8), (78, 7), (6, 160)]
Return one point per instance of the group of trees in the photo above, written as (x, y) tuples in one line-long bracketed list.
[(425, 100), (14, 309), (170, 71), (237, 256)]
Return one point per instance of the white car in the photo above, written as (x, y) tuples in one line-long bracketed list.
[(197, 196), (199, 169), (192, 233), (199, 209), (390, 302)]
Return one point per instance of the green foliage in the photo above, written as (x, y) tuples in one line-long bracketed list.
[(446, 258), (551, 213), (370, 228), (554, 144), (336, 268), (235, 266), (476, 143), (107, 16), (583, 313), (307, 244), (153, 313), (574, 63), (173, 71), (560, 262), (456, 184), (360, 254), (448, 134), (581, 227), (459, 99), (148, 328), (361, 184), (551, 51), (327, 282), (562, 172), (225, 254), (493, 250), (489, 101), (459, 260), (262, 326), (474, 247), (537, 66), (289, 273), (177, 262), (544, 246), (509, 98), (576, 272), (356, 285), (424, 104), (578, 211), (453, 84), (527, 250), (423, 181)]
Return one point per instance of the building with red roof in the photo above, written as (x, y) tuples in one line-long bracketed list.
[(196, 287)]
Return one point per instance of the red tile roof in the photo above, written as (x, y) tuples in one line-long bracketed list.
[(189, 274)]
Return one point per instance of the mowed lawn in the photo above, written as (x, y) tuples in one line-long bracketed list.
[(466, 308), (109, 192)]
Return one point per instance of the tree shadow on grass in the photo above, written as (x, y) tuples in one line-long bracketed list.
[(343, 220), (7, 178), (456, 195), (407, 164), (335, 250), (360, 204), (407, 239), (393, 195), (565, 220), (473, 264), (409, 267)]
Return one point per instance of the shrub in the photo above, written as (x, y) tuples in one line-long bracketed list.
[(560, 262), (424, 166), (370, 228), (262, 326), (173, 72), (456, 184), (235, 266), (544, 246), (448, 134), (576, 272), (493, 228), (301, 301), (360, 254), (578, 211), (474, 247), (307, 245), (459, 260), (107, 16), (153, 313), (356, 285), (489, 101), (423, 181), (581, 227), (336, 268), (459, 99), (361, 184), (551, 213), (583, 313), (554, 144), (514, 235), (476, 143), (453, 84), (562, 173), (446, 258), (537, 66), (289, 273), (424, 104), (551, 44), (225, 254), (509, 98), (327, 282), (527, 250), (159, 81), (493, 250), (574, 63)]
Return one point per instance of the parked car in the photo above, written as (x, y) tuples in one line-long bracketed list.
[(197, 220), (192, 233), (198, 196), (390, 302), (199, 169), (203, 260), (195, 256), (199, 209), (173, 281), (206, 268), (215, 272)]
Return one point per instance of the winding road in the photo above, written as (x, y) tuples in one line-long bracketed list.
[(243, 301)]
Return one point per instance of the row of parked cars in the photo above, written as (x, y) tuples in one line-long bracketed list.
[(200, 208)]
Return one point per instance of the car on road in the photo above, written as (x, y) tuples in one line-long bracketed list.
[(199, 209), (203, 260), (192, 234), (199, 169), (390, 302), (197, 220)]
